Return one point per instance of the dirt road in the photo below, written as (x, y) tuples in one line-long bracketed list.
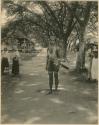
[(24, 98)]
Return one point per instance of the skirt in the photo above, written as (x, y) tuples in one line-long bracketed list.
[(5, 62), (52, 67), (15, 67), (94, 70)]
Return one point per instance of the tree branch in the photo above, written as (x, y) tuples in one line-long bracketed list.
[(87, 13), (73, 13), (51, 12)]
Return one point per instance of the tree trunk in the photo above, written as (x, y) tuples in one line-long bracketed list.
[(65, 47), (64, 51), (80, 63)]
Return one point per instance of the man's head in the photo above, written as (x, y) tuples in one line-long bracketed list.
[(52, 40)]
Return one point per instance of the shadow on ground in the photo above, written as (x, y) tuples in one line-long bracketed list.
[(25, 99), (26, 102)]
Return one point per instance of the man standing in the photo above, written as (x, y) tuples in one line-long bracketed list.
[(53, 63)]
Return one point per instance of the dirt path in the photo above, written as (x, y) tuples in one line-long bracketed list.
[(24, 98)]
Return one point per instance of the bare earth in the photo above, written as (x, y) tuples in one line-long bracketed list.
[(24, 98)]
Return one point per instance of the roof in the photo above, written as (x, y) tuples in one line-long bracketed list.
[(19, 34)]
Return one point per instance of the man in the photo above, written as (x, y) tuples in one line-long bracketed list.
[(53, 63)]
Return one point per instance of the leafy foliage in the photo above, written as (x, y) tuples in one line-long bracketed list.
[(61, 19)]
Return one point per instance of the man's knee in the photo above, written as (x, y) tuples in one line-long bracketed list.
[(50, 76)]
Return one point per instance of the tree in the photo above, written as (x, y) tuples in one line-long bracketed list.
[(83, 29), (82, 16), (61, 19), (56, 19), (83, 23)]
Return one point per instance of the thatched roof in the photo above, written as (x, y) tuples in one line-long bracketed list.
[(19, 34)]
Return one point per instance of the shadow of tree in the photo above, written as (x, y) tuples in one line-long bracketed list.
[(24, 100)]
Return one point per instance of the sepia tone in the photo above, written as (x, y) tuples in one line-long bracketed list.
[(49, 62)]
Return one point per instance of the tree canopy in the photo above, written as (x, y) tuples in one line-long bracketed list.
[(45, 18)]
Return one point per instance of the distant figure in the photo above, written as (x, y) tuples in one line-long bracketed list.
[(93, 63), (94, 69), (15, 63), (53, 64), (4, 60)]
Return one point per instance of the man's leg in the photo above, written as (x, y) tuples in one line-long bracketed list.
[(50, 80), (56, 80)]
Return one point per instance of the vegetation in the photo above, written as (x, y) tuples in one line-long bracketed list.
[(67, 21)]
